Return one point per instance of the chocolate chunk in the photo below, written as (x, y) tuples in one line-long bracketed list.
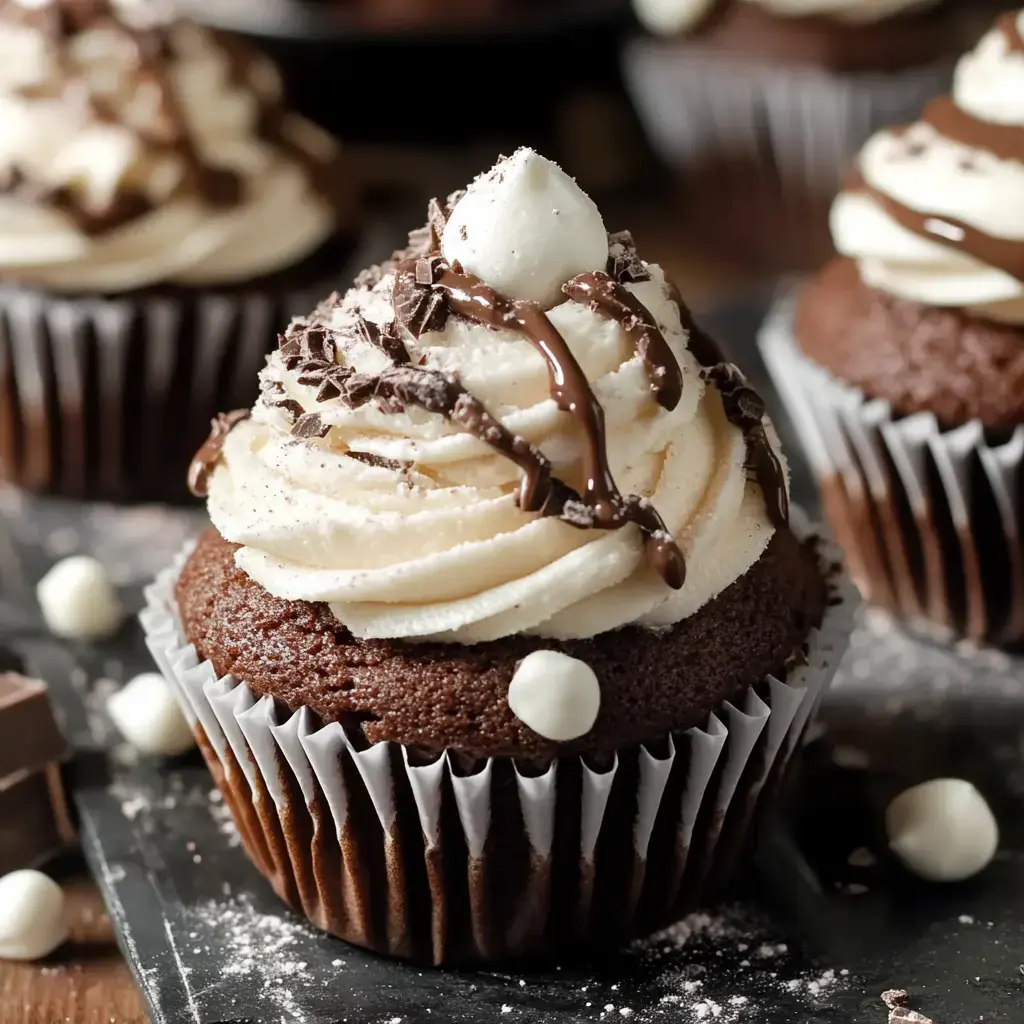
[(32, 797), (205, 460), (29, 735)]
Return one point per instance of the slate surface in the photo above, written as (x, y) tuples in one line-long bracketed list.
[(813, 938)]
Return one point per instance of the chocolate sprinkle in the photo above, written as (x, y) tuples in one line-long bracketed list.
[(205, 460)]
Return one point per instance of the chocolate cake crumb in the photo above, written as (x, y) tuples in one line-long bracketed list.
[(435, 696)]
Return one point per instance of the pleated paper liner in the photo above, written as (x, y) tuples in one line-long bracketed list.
[(930, 519), (436, 861), (761, 148), (109, 398)]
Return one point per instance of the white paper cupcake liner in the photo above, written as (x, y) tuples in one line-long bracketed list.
[(807, 122), (109, 398), (425, 860), (931, 520)]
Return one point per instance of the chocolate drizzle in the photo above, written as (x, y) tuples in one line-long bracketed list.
[(601, 506), (1005, 142), (744, 408), (1004, 254), (206, 459), (612, 300)]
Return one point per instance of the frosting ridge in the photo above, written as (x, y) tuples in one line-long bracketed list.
[(437, 459)]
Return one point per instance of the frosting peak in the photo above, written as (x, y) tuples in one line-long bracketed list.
[(525, 227), (135, 148), (937, 215), (438, 459)]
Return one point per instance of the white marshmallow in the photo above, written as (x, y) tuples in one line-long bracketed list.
[(558, 697), (525, 228), (32, 918), (147, 715), (942, 830), (669, 17), (78, 600)]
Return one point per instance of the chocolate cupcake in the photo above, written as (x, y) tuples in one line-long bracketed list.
[(162, 212), (903, 360), (503, 634), (760, 104)]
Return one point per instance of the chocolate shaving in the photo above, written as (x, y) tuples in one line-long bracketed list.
[(379, 461), (310, 425), (385, 338), (418, 307), (290, 406), (624, 265), (437, 220), (206, 459)]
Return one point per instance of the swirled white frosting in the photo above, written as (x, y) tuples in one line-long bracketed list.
[(51, 135), (433, 545), (669, 17), (927, 173)]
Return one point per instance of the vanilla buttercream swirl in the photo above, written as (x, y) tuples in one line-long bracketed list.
[(936, 214), (669, 17), (389, 466), (136, 151)]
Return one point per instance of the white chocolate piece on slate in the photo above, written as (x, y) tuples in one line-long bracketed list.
[(942, 830), (78, 600), (148, 716), (558, 697), (33, 922)]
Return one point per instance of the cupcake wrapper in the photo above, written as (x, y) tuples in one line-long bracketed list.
[(430, 861), (109, 398), (806, 121), (930, 519)]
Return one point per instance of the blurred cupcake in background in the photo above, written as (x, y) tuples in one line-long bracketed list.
[(903, 360), (161, 214), (761, 103)]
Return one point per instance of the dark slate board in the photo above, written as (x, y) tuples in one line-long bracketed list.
[(811, 940)]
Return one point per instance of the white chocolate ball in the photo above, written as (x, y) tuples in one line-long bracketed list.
[(558, 697), (942, 830), (33, 922), (525, 228), (148, 716), (670, 17), (78, 600)]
